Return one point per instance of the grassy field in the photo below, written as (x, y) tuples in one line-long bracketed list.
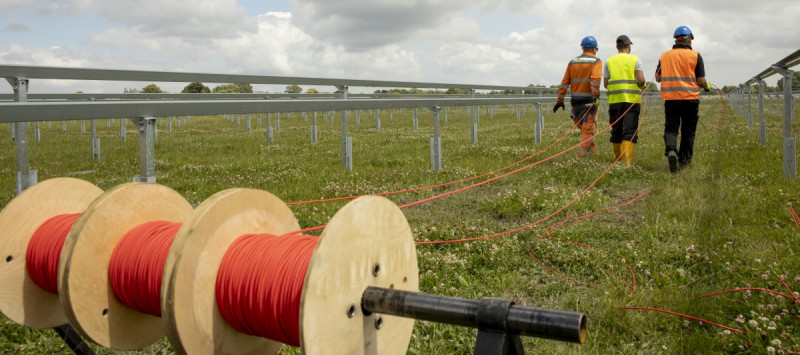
[(720, 225)]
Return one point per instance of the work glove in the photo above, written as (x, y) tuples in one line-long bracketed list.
[(557, 106), (708, 86), (596, 102)]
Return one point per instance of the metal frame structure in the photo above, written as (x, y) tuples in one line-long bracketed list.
[(782, 68), (142, 109)]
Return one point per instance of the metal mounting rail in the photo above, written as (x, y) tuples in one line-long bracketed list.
[(55, 111), (41, 72)]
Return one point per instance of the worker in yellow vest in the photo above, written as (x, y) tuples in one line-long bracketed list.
[(624, 81), (682, 74)]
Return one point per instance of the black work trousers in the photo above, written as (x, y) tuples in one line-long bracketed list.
[(625, 128), (681, 115)]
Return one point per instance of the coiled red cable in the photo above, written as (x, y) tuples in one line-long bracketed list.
[(44, 250), (137, 263), (264, 303)]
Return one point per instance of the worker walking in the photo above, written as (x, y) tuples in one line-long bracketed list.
[(624, 79), (583, 79), (682, 74)]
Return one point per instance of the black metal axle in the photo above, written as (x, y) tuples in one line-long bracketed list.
[(489, 314)]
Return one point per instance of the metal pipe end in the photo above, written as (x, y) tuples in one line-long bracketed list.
[(582, 332)]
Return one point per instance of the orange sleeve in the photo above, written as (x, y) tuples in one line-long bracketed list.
[(562, 90), (596, 78)]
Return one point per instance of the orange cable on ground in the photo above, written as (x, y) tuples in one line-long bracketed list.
[(684, 316), (44, 250), (442, 184), (136, 267), (795, 217), (266, 303)]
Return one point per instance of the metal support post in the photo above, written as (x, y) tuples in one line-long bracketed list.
[(415, 121), (147, 149), (347, 142), (358, 117), (749, 107), (436, 141), (25, 177), (537, 126), (762, 123), (789, 142), (122, 133), (277, 121), (95, 141), (249, 123), (37, 132), (270, 133), (377, 120), (473, 120), (314, 129)]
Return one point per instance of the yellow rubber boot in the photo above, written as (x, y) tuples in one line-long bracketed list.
[(627, 151), (617, 149)]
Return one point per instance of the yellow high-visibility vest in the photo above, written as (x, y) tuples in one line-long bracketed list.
[(622, 80)]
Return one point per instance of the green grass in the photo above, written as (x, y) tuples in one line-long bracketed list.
[(719, 225)]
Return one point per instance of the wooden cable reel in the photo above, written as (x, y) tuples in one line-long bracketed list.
[(367, 243), (89, 301), (21, 300)]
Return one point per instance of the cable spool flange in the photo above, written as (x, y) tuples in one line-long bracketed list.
[(89, 301), (21, 300), (367, 243)]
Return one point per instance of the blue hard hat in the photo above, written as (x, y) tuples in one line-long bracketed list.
[(589, 42), (683, 31)]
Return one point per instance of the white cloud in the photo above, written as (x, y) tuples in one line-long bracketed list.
[(425, 40), (16, 27)]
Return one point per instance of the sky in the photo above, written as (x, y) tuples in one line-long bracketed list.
[(490, 42)]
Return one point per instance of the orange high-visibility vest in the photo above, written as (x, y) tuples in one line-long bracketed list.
[(678, 81), (582, 77)]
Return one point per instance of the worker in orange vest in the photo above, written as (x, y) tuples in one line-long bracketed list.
[(682, 75), (583, 77), (623, 79)]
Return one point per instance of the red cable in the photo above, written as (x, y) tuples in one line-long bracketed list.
[(684, 316), (136, 267), (560, 274), (442, 184), (44, 250), (794, 214), (741, 289), (265, 303)]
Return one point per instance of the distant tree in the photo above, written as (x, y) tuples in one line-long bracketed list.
[(196, 88), (312, 91), (293, 89), (151, 89), (244, 88), (454, 91), (795, 82), (530, 92), (130, 91), (652, 87)]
